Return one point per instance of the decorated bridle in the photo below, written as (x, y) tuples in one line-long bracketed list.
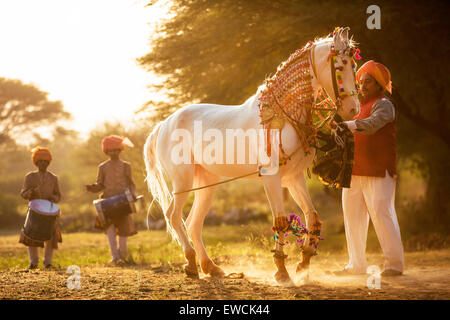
[(338, 88), (323, 101)]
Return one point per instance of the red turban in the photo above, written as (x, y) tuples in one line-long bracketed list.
[(41, 153), (378, 71), (115, 142)]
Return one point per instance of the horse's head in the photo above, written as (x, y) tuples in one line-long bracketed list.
[(335, 71)]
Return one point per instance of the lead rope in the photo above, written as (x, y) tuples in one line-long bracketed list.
[(235, 178), (217, 183)]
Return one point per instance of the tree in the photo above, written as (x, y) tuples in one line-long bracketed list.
[(24, 107), (221, 51)]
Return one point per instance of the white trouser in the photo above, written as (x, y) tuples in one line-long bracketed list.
[(372, 196), (33, 254), (122, 253)]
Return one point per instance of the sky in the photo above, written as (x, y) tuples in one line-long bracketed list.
[(81, 52)]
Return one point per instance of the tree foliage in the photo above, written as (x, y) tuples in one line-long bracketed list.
[(24, 106), (220, 51)]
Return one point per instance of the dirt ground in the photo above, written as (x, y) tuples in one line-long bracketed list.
[(427, 276)]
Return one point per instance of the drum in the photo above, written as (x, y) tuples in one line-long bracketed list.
[(115, 206), (40, 221)]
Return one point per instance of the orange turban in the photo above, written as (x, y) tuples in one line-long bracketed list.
[(378, 71), (41, 153), (115, 142)]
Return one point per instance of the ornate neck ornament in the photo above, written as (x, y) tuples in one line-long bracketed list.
[(289, 92), (289, 95)]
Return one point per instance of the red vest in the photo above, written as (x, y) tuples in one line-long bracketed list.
[(375, 153)]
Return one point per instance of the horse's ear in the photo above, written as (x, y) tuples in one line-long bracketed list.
[(337, 40), (344, 35), (337, 34)]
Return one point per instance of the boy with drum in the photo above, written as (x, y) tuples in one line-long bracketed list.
[(41, 184), (114, 177)]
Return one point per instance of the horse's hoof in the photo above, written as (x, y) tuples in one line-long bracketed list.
[(302, 271), (284, 279), (191, 272), (191, 267), (302, 277), (217, 273), (304, 264), (212, 269), (302, 267)]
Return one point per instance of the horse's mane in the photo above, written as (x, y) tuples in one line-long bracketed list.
[(281, 68), (329, 38), (321, 40)]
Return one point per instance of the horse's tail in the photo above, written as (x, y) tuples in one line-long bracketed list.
[(155, 177)]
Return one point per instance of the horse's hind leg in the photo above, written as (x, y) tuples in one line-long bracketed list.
[(175, 212), (194, 223)]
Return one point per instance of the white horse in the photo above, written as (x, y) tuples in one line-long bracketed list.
[(158, 154)]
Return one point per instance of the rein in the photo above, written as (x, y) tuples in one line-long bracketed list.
[(217, 183)]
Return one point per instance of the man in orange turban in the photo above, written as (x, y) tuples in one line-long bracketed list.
[(41, 184), (114, 177), (372, 190), (378, 72)]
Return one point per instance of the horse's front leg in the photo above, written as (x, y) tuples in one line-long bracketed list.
[(299, 191), (272, 186)]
